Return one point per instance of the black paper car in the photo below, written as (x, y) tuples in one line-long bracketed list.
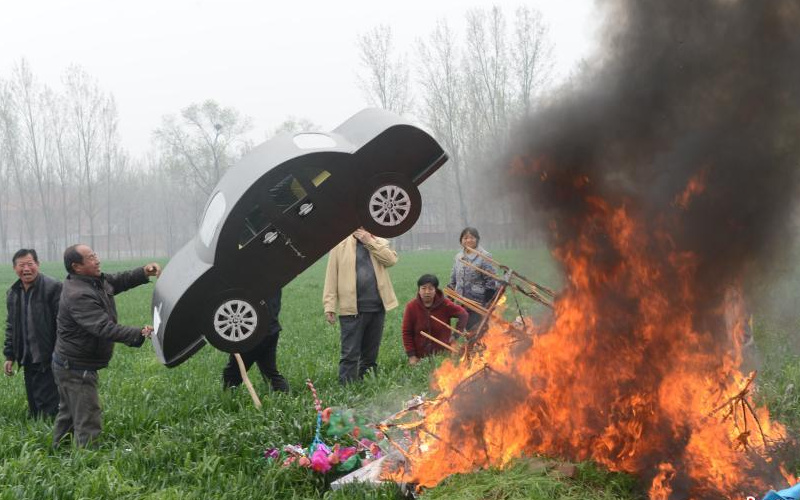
[(276, 212)]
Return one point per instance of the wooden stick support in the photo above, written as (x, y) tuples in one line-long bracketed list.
[(530, 283), (246, 380), (489, 259), (452, 294), (454, 330), (494, 276), (532, 293), (434, 339), (481, 329)]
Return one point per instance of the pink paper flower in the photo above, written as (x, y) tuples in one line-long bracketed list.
[(304, 462), (326, 414), (319, 462), (346, 453)]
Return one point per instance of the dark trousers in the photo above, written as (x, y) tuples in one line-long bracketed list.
[(265, 356), (41, 390), (79, 409), (361, 340), (473, 319)]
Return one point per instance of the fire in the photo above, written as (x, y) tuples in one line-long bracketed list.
[(636, 370), (696, 186)]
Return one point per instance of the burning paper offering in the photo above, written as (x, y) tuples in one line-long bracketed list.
[(664, 177)]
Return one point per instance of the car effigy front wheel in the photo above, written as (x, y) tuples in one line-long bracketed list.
[(235, 324), (390, 205)]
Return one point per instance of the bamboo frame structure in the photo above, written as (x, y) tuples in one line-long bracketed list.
[(550, 293), (506, 281), (471, 304)]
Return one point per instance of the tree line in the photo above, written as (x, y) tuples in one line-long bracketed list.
[(65, 177), (470, 90)]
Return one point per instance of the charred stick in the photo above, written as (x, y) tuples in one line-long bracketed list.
[(744, 414), (472, 377), (533, 284), (760, 429), (739, 395), (398, 447), (426, 431), (404, 411), (532, 294)]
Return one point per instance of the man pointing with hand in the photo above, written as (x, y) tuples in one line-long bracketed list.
[(87, 329)]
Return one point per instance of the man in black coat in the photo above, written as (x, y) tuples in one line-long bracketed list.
[(264, 354), (87, 331), (32, 305)]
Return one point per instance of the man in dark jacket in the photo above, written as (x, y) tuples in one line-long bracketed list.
[(32, 305), (87, 330), (429, 303), (264, 354)]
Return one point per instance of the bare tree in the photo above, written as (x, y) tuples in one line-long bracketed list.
[(30, 101), (4, 178), (386, 83), (442, 95), (113, 159), (486, 65), (64, 151), (201, 145), (293, 125), (127, 190), (3, 202), (58, 151), (86, 107), (11, 140), (532, 56)]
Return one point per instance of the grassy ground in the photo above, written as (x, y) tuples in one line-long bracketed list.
[(173, 433)]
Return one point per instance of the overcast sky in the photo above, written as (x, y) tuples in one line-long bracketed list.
[(268, 59)]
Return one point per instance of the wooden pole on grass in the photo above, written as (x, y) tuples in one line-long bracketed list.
[(246, 380), (431, 337)]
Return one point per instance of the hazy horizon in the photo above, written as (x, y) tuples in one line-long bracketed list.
[(298, 60)]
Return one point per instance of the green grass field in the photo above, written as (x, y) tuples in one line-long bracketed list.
[(173, 433)]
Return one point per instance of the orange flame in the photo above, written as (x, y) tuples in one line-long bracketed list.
[(630, 372), (696, 186)]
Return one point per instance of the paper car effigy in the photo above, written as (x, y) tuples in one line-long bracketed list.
[(276, 212)]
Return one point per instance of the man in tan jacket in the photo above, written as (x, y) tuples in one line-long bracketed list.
[(358, 284)]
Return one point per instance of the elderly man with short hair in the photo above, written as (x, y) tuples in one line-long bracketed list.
[(87, 331), (32, 305)]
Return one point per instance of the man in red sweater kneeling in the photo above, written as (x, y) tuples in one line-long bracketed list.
[(430, 301)]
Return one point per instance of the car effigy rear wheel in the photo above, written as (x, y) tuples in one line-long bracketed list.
[(235, 324), (390, 205)]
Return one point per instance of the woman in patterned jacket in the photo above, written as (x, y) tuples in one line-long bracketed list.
[(468, 281)]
